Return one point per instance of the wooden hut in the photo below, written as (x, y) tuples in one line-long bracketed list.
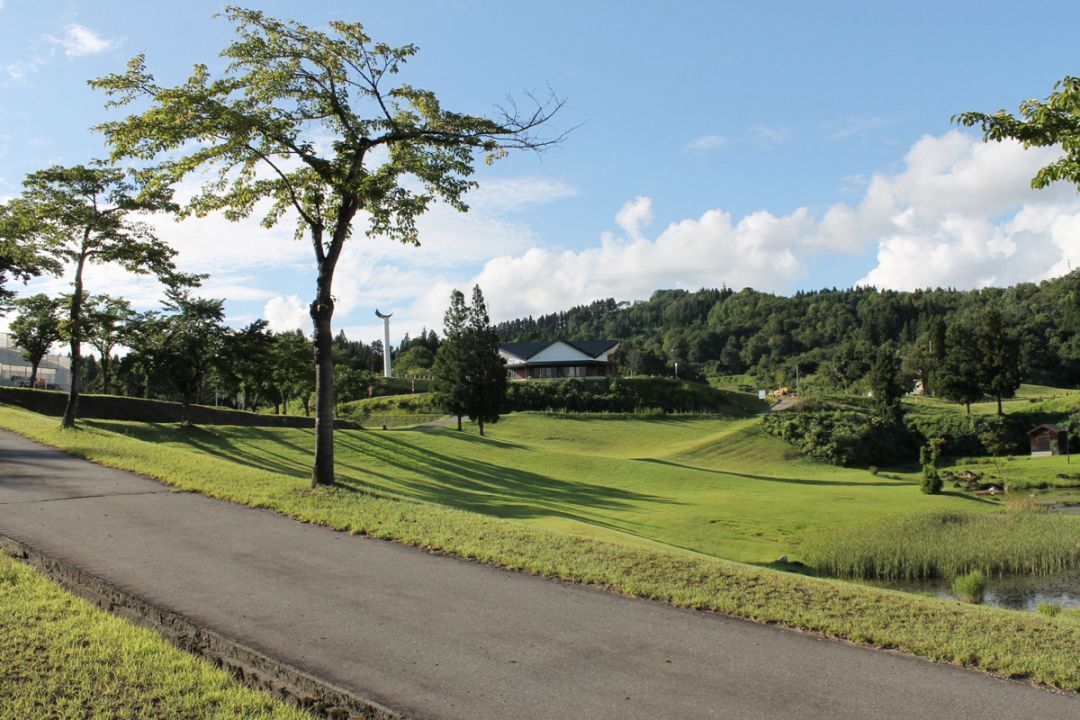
[(1049, 440)]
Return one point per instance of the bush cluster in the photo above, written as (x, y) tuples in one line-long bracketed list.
[(844, 436)]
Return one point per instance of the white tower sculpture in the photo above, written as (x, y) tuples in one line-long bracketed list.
[(386, 342)]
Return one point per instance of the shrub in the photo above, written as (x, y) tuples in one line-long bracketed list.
[(970, 588), (849, 435), (625, 395), (873, 469)]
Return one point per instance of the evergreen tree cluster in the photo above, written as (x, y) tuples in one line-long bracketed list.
[(470, 375)]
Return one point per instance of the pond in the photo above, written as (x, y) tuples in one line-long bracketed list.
[(1015, 592)]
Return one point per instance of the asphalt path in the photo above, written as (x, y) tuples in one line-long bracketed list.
[(439, 637)]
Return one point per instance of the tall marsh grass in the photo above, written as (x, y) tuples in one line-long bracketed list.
[(947, 545)]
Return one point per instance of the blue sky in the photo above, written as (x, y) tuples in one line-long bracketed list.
[(782, 146)]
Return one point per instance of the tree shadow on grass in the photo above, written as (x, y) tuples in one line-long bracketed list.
[(218, 444), (481, 486), (770, 478)]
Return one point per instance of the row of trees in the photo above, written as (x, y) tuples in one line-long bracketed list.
[(1028, 331)]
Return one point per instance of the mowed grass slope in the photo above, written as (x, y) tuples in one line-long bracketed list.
[(260, 468), (712, 486)]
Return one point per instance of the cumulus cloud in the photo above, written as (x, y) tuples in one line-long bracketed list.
[(79, 40), (287, 313), (962, 213), (959, 213)]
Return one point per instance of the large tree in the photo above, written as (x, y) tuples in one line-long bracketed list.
[(1000, 357), (312, 122), (36, 329), (21, 256), (1052, 122), (958, 376), (80, 215), (106, 319)]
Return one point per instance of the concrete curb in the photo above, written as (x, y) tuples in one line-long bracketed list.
[(249, 666)]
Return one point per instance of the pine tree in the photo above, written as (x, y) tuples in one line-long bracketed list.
[(486, 395), (1000, 354), (957, 378), (452, 358)]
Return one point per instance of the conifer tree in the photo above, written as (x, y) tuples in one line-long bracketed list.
[(452, 359), (486, 395)]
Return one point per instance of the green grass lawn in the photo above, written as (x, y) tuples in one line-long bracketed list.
[(61, 657), (638, 506), (713, 486)]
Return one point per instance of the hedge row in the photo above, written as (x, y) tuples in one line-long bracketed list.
[(627, 395), (113, 407)]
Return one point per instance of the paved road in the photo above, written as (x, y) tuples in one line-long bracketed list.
[(437, 637)]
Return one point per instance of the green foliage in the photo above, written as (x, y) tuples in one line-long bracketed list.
[(843, 435), (83, 215), (946, 545), (106, 323), (21, 253), (627, 395), (970, 588), (193, 336), (1054, 122), (36, 329), (929, 454), (832, 336)]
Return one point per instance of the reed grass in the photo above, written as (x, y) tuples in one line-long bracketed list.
[(947, 545)]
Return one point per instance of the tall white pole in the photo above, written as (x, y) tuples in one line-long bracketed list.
[(386, 342)]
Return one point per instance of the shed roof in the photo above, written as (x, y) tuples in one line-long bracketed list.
[(1049, 427)]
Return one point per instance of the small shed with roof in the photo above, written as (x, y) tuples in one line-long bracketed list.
[(559, 359), (1049, 439)]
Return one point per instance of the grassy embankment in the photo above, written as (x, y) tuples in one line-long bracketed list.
[(60, 657), (602, 502)]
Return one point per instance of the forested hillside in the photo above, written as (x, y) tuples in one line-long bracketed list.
[(833, 335)]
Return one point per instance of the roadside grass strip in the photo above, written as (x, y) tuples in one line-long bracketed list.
[(1035, 647), (61, 657)]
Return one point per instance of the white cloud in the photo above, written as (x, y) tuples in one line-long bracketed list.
[(767, 136), (705, 143), (857, 126), (287, 313), (79, 40), (962, 213)]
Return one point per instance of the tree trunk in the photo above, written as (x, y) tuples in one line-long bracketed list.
[(33, 376), (185, 411), (71, 410), (967, 409), (480, 422), (105, 373), (459, 423), (1000, 412), (322, 310)]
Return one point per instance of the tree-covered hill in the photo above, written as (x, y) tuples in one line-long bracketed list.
[(832, 334)]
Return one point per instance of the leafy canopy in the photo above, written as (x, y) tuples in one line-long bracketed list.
[(293, 119), (1041, 123)]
